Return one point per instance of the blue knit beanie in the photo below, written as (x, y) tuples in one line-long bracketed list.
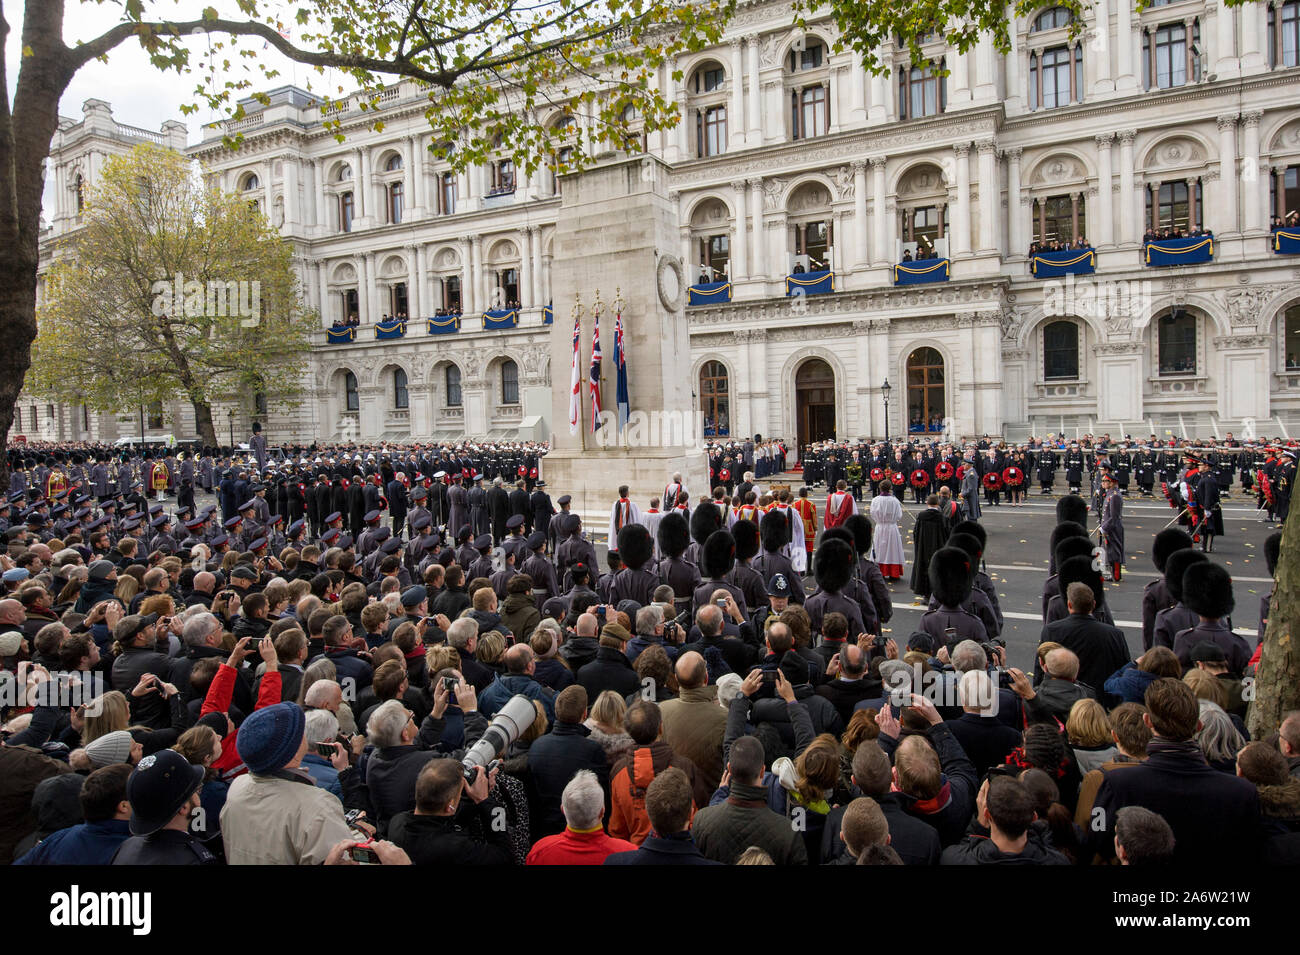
[(271, 737)]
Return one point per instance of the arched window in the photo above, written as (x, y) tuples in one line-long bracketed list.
[(344, 173), (1177, 343), (251, 182), (1061, 351), (509, 383), (401, 397), (353, 398), (1051, 19), (925, 391), (1291, 337), (714, 399), (453, 386), (394, 163)]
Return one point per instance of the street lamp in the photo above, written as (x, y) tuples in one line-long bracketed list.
[(231, 415), (884, 390)]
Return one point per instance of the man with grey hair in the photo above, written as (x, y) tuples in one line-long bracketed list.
[(202, 634), (649, 632), (322, 729), (583, 841), (521, 663), (985, 738), (463, 637), (401, 750)]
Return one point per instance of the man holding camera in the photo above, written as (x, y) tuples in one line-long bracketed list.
[(651, 630), (436, 831)]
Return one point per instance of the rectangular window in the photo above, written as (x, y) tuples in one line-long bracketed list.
[(345, 212), (447, 194), (810, 112), (451, 295), (399, 299), (1056, 77), (711, 129), (395, 203), (453, 386), (503, 177), (509, 383), (706, 81), (920, 93)]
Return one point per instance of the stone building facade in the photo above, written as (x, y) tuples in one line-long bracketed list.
[(792, 160)]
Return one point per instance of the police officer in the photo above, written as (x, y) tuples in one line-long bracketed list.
[(163, 792)]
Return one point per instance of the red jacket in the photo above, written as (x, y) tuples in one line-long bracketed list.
[(572, 847), (220, 691)]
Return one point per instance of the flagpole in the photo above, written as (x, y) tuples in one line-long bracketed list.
[(620, 355)]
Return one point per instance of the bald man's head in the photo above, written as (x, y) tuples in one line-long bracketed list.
[(588, 625), (853, 661), (204, 582), (691, 671), (11, 613), (1062, 664), (709, 619), (519, 659)]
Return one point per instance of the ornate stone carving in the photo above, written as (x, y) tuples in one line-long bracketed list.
[(773, 189), (1126, 136), (1243, 341), (1009, 319), (1118, 348), (1245, 306), (767, 54), (877, 162), (1015, 354), (1104, 140), (843, 177)]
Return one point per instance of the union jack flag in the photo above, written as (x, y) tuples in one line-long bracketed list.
[(594, 375)]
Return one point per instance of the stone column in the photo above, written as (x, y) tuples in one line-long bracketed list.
[(985, 90), (538, 297), (1129, 207), (1256, 186), (736, 106), (1014, 93), (427, 304), (1099, 62), (324, 304), (322, 220), (1225, 62), (368, 293), (1254, 29), (690, 259), (878, 111), (1226, 213), (1104, 234), (833, 100), (758, 267), (754, 135), (739, 265), (363, 190), (990, 194), (468, 301), (414, 296), (290, 194), (1015, 218), (526, 299), (1125, 45), (861, 244), (961, 214), (685, 129), (414, 184), (884, 245), (776, 106), (959, 93), (482, 294), (858, 89)]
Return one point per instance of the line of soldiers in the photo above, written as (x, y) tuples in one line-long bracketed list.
[(729, 463)]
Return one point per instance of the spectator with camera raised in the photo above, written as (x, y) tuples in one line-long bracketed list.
[(1005, 806), (653, 630), (1058, 692), (437, 829), (852, 681)]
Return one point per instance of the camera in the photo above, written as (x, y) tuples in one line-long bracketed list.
[(450, 683), (1004, 678), (325, 749), (506, 727), (364, 856)]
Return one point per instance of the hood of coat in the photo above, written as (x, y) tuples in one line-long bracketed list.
[(1281, 802)]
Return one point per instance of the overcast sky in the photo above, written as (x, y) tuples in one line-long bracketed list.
[(139, 94)]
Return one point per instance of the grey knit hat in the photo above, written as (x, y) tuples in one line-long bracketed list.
[(109, 749)]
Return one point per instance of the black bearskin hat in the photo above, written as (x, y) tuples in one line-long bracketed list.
[(838, 533), (833, 564), (1080, 570), (1176, 566), (863, 530), (1167, 541), (1207, 590), (635, 545), (674, 535), (966, 542), (718, 554), (952, 573), (775, 530), (705, 519), (1072, 547), (1066, 529), (1072, 508), (746, 534), (1272, 551), (976, 530)]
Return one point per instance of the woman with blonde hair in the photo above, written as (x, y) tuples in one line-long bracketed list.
[(605, 720), (126, 589), (808, 783), (1089, 730), (105, 714)]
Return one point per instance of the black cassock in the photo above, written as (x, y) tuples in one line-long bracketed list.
[(928, 535)]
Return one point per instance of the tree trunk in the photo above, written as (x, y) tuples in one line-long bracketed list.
[(1277, 682), (203, 423), (18, 323)]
